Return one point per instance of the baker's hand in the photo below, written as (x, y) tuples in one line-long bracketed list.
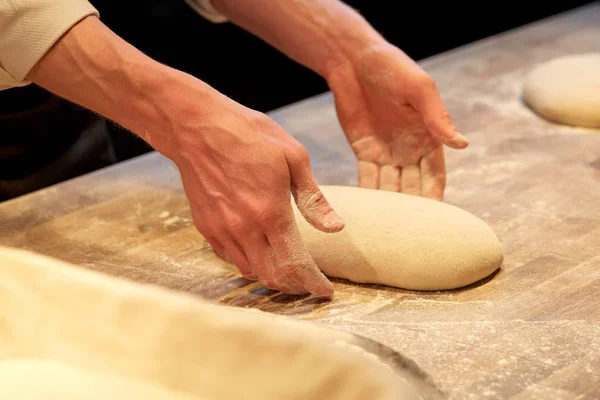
[(239, 169), (395, 121)]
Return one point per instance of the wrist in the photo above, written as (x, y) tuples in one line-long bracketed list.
[(361, 63), (162, 101), (351, 37)]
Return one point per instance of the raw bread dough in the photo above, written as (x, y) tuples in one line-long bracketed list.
[(53, 311), (566, 90), (401, 240), (48, 380)]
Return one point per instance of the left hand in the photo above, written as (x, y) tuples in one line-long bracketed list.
[(395, 122)]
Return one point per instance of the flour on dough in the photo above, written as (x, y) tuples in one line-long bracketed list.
[(399, 240), (566, 90)]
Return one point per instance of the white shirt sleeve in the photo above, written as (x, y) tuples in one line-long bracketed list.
[(29, 28), (206, 9)]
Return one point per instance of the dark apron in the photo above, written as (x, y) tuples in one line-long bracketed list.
[(45, 140)]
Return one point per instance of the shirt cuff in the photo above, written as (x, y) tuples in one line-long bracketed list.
[(30, 28), (206, 9)]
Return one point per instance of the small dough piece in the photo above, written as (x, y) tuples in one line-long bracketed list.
[(396, 239), (56, 312), (49, 380), (566, 90)]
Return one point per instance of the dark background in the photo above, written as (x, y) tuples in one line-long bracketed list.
[(254, 74)]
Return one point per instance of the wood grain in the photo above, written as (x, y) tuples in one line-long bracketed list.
[(530, 332)]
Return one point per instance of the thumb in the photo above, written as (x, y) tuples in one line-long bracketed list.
[(436, 117), (311, 202)]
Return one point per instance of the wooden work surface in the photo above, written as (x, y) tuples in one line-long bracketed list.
[(532, 331)]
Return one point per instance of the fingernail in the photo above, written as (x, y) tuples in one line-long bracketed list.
[(325, 296), (324, 290), (333, 221), (459, 141)]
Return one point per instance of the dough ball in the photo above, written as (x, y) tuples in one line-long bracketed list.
[(400, 240), (566, 90)]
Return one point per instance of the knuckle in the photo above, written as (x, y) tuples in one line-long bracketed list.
[(298, 153), (266, 209), (258, 117), (265, 215), (237, 226), (274, 223), (264, 123)]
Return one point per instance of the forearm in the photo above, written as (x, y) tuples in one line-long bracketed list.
[(93, 67), (319, 34)]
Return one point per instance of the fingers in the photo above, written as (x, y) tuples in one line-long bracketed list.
[(237, 256), (435, 116), (311, 202), (269, 250), (390, 178), (265, 267), (426, 179), (293, 259), (217, 248), (368, 174), (433, 174), (411, 180), (224, 244)]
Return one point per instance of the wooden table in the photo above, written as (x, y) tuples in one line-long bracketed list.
[(533, 331)]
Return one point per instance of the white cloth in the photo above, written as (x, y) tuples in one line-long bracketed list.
[(29, 28), (206, 9)]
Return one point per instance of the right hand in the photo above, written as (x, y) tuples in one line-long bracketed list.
[(238, 168)]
